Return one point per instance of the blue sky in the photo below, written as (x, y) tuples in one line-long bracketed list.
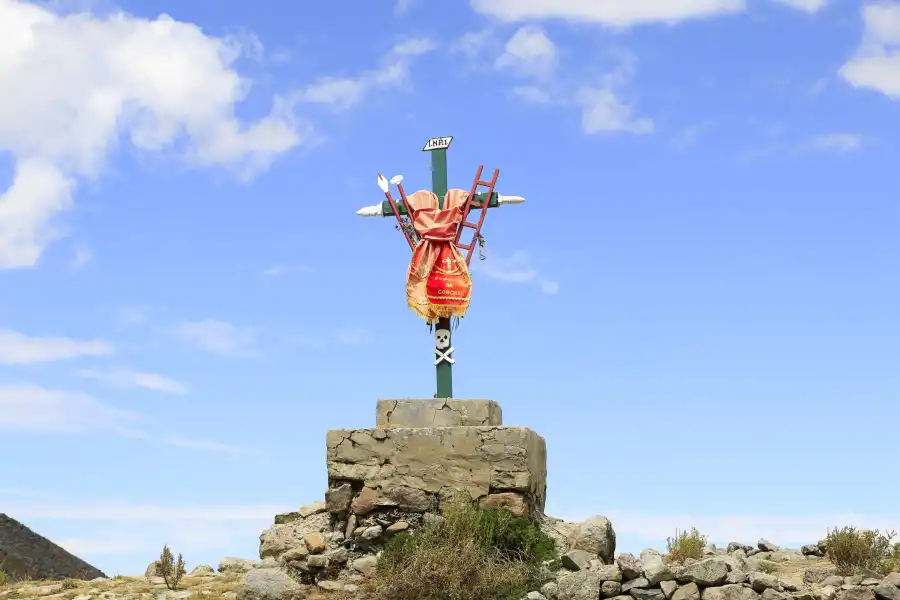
[(697, 306)]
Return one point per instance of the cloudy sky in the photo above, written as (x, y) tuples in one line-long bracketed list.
[(697, 307)]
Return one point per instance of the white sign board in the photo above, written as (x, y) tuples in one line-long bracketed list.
[(439, 143)]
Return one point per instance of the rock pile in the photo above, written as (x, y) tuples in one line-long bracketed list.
[(739, 572)]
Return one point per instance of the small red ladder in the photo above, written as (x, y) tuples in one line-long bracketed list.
[(467, 208)]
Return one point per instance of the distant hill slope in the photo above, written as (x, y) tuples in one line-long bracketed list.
[(24, 553)]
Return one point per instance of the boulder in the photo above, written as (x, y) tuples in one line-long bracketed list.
[(580, 585), (711, 571), (631, 567), (596, 535), (229, 564), (688, 591), (729, 592), (886, 591), (268, 584)]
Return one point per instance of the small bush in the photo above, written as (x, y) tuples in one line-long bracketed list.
[(70, 584), (169, 569), (472, 554), (686, 544), (767, 566), (853, 551), (4, 579)]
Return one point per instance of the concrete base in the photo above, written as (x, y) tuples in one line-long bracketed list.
[(448, 412), (416, 469)]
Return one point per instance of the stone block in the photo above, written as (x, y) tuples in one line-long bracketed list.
[(405, 468), (444, 412)]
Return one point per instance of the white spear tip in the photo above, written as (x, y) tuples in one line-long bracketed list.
[(382, 183), (370, 211), (396, 179)]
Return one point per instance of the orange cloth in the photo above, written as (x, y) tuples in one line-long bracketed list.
[(438, 283)]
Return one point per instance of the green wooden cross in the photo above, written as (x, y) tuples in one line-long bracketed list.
[(438, 148)]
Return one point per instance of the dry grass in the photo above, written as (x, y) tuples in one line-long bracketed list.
[(471, 554)]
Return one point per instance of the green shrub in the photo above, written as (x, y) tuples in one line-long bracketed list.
[(4, 579), (170, 570), (853, 551), (686, 544), (70, 584), (472, 554), (767, 566)]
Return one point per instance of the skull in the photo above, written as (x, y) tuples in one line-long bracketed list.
[(442, 338)]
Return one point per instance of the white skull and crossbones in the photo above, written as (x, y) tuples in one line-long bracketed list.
[(443, 349)]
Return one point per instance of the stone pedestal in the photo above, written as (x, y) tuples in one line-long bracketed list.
[(424, 452)]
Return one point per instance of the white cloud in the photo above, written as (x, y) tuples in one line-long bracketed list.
[(613, 13), (529, 52), (835, 142), (604, 111), (208, 445), (401, 7), (474, 43), (82, 256), (75, 84), (531, 94), (809, 6), (279, 270), (134, 379), (517, 268), (119, 511), (218, 337), (876, 63), (19, 349), (346, 92), (602, 108), (32, 408)]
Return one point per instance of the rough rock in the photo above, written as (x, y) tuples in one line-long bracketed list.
[(655, 569), (856, 593), (763, 581), (766, 546), (668, 588), (268, 584), (608, 589), (729, 592), (280, 538), (711, 571), (817, 574), (575, 560), (826, 592), (688, 591), (338, 499), (512, 502), (596, 535), (229, 564), (609, 572), (550, 590), (892, 579), (365, 565), (886, 591), (631, 567), (640, 582), (647, 594), (202, 570), (580, 585)]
